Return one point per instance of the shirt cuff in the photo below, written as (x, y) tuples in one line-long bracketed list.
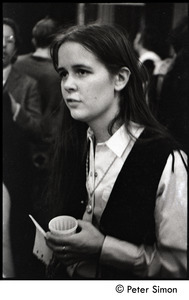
[(18, 106), (142, 260), (117, 252)]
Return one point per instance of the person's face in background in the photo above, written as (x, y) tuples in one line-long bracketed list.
[(9, 48), (87, 86)]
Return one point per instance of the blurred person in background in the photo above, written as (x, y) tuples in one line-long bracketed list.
[(22, 89), (39, 66), (173, 107), (21, 128), (148, 46)]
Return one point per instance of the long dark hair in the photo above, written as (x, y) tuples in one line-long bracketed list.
[(111, 46)]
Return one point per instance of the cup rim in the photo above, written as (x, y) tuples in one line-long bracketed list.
[(66, 230)]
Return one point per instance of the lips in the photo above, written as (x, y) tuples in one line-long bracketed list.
[(72, 101)]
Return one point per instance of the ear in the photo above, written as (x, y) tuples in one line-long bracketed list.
[(122, 78)]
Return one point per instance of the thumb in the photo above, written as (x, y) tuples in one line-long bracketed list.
[(83, 224)]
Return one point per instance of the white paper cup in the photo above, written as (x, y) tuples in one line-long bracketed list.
[(63, 225)]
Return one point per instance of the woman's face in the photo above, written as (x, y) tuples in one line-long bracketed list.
[(87, 86)]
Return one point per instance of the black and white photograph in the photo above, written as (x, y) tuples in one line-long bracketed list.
[(95, 149)]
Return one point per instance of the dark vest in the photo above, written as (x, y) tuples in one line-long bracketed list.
[(129, 214)]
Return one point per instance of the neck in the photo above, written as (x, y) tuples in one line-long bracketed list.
[(42, 52), (101, 132), (100, 125)]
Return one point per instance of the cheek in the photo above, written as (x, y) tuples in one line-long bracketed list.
[(11, 51), (11, 47), (90, 93), (98, 89), (62, 88)]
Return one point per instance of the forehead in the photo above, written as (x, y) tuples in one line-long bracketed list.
[(7, 30), (73, 52)]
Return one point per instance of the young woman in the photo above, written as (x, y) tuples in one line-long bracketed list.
[(115, 168)]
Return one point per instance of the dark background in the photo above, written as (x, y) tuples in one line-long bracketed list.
[(161, 15), (27, 14)]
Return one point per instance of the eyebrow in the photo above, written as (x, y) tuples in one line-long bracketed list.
[(75, 67)]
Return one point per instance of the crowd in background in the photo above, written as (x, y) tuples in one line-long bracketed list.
[(168, 88), (32, 117)]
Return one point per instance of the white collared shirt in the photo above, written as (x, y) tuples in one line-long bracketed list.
[(117, 147), (168, 256)]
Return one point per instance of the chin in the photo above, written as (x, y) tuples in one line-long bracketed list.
[(78, 117)]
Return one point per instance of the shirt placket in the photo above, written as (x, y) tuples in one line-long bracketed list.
[(90, 184)]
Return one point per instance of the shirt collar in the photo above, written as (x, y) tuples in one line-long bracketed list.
[(149, 55), (90, 133), (120, 139)]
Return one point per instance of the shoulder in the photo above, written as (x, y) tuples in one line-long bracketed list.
[(20, 84), (156, 149), (175, 172), (22, 77), (23, 57), (151, 139), (180, 160), (167, 150), (23, 61)]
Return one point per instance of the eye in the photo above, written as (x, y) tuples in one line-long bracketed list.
[(82, 72), (62, 74), (9, 39)]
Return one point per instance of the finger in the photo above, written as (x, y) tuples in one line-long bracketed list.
[(55, 239), (56, 247), (63, 250)]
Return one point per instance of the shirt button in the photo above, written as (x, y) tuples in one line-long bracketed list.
[(96, 174), (89, 208)]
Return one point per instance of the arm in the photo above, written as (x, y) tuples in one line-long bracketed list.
[(167, 259), (27, 114)]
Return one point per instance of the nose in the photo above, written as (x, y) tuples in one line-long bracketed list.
[(69, 83)]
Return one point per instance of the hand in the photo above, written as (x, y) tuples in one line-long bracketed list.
[(80, 246)]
